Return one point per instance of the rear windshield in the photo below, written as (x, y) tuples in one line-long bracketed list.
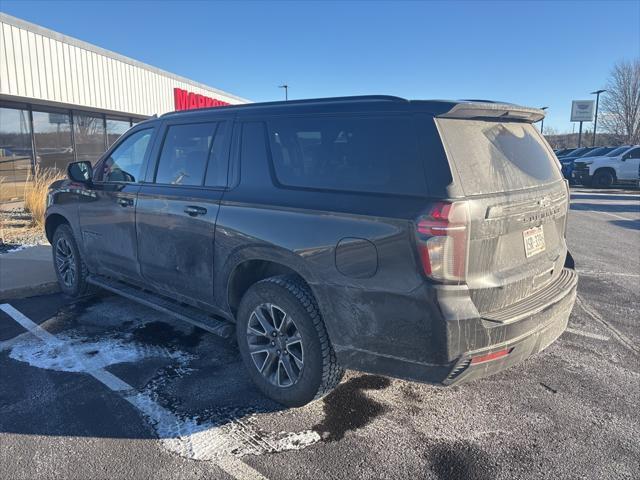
[(492, 157)]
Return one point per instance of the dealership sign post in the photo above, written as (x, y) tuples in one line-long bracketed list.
[(581, 111)]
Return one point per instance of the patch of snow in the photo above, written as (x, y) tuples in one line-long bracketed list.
[(224, 432), (16, 249), (71, 353), (230, 435)]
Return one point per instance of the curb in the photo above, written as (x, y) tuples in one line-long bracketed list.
[(30, 291)]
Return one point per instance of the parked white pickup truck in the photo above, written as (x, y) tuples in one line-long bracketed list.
[(619, 166)]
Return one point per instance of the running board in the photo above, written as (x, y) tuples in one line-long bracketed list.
[(162, 304)]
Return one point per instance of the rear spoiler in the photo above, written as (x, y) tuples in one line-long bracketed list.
[(502, 111)]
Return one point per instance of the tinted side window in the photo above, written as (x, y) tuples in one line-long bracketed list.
[(367, 154), (125, 162), (185, 152), (216, 175), (635, 153), (253, 149)]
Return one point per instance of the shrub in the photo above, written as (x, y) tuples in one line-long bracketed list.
[(35, 192)]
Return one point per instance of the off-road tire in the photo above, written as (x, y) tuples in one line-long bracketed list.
[(79, 286), (321, 372)]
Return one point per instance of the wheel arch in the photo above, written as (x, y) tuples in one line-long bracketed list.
[(611, 170), (249, 271), (52, 222)]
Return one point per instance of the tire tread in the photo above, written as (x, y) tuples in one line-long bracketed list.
[(332, 372), (83, 272)]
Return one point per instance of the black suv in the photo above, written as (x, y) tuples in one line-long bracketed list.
[(417, 239)]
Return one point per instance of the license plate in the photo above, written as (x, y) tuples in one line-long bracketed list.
[(533, 241)]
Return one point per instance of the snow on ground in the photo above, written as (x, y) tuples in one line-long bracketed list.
[(222, 433)]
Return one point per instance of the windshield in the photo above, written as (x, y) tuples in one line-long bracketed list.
[(587, 151), (493, 157), (618, 151), (578, 151), (599, 151)]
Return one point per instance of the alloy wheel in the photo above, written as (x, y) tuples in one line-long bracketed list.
[(275, 345), (65, 262)]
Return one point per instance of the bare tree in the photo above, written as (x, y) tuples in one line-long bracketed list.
[(621, 103)]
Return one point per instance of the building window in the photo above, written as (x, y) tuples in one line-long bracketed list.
[(15, 152), (115, 128), (89, 135), (52, 137)]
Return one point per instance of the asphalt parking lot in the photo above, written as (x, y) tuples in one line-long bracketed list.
[(105, 388)]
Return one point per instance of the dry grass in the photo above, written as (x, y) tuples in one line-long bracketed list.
[(35, 193)]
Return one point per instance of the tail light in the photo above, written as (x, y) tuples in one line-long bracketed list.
[(442, 239)]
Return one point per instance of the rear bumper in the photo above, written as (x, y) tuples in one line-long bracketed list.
[(544, 327), (446, 354)]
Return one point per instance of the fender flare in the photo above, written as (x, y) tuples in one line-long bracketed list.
[(246, 253)]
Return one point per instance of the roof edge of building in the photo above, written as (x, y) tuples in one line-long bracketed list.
[(40, 30)]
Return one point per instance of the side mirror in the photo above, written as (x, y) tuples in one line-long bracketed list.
[(80, 172)]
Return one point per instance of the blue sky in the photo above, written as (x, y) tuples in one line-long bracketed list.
[(532, 53)]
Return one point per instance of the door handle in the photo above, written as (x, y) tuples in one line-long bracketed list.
[(194, 211), (125, 202)]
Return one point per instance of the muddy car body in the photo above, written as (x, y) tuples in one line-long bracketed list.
[(416, 239)]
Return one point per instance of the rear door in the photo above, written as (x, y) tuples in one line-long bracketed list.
[(107, 209), (178, 206), (518, 204)]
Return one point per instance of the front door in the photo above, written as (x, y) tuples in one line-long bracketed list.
[(107, 208), (177, 209), (628, 169)]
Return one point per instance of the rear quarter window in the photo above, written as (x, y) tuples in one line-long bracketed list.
[(492, 157), (348, 153)]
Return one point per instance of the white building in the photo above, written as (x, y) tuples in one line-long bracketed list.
[(62, 99)]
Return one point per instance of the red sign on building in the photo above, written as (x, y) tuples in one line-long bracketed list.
[(184, 100)]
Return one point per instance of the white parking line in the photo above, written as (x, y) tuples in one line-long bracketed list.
[(606, 194), (614, 215), (587, 334), (598, 212), (28, 324), (621, 337), (233, 466), (596, 273)]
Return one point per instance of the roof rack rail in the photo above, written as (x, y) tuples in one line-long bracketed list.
[(360, 98)]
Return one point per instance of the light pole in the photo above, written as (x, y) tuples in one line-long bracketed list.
[(595, 121), (542, 122), (286, 91)]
